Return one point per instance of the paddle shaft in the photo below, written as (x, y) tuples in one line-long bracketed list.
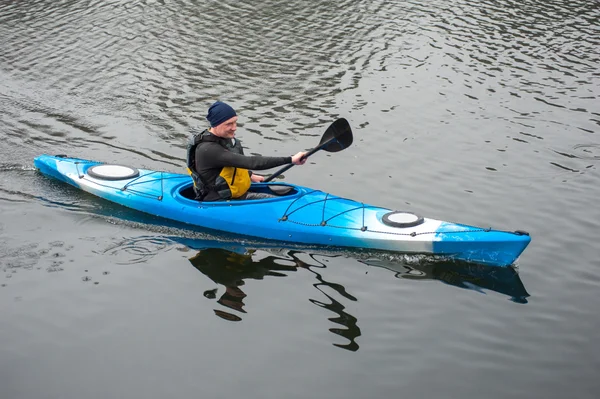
[(286, 167)]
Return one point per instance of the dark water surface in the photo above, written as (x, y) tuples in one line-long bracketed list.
[(484, 112)]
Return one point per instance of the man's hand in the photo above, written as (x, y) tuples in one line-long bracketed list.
[(299, 158), (257, 178)]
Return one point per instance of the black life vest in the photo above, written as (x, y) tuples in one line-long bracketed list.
[(231, 182)]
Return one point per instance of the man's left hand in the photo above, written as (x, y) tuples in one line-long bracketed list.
[(257, 178)]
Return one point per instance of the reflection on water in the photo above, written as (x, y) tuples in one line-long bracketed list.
[(230, 264), (352, 330), (504, 280), (230, 268)]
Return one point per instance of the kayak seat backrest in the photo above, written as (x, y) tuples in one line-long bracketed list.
[(281, 190)]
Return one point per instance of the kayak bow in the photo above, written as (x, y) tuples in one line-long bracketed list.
[(299, 215)]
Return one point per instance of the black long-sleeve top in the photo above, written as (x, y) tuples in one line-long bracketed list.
[(212, 157)]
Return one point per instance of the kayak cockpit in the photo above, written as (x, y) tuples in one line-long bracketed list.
[(279, 190)]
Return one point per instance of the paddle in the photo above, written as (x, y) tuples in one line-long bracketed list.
[(337, 137)]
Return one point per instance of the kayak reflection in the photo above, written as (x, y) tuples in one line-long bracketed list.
[(230, 268), (230, 264), (504, 280)]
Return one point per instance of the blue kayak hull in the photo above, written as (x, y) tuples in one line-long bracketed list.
[(302, 216)]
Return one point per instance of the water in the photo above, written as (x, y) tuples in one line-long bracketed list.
[(483, 113)]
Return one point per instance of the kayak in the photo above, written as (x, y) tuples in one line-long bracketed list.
[(299, 215)]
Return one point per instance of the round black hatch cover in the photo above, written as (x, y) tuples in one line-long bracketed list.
[(112, 172), (402, 219)]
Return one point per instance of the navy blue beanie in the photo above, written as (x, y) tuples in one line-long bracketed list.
[(219, 112)]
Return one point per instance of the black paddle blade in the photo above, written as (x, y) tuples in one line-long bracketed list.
[(337, 137)]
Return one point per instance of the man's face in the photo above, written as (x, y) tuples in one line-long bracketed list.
[(226, 129)]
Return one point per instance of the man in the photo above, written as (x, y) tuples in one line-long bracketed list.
[(217, 162)]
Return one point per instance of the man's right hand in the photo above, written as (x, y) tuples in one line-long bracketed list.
[(299, 158)]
